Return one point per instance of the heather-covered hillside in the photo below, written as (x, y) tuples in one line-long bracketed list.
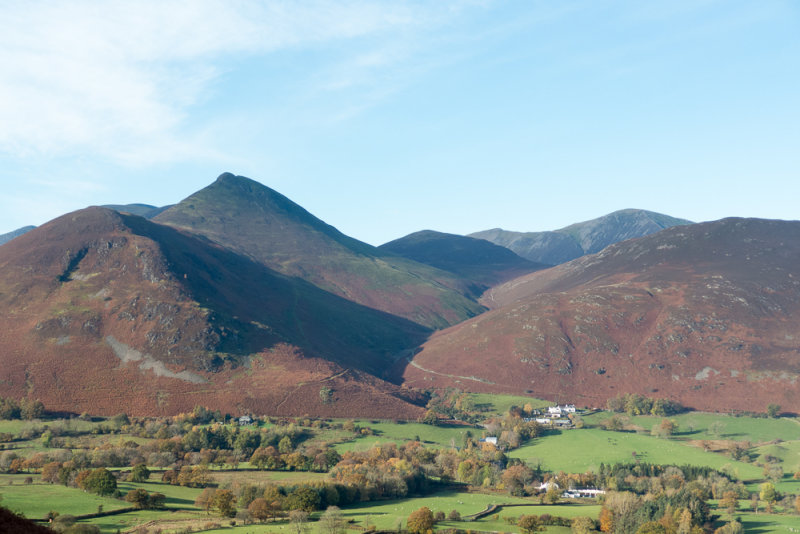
[(706, 314)]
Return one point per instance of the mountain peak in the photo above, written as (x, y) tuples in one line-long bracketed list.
[(251, 219)]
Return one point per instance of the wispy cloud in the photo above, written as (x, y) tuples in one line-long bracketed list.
[(119, 79)]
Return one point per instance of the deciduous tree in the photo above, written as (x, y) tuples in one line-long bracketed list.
[(332, 521), (530, 524), (140, 473), (420, 521), (225, 503)]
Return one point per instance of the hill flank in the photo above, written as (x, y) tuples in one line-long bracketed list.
[(104, 312), (706, 314)]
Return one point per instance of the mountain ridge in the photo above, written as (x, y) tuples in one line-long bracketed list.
[(559, 246)]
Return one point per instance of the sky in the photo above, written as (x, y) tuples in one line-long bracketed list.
[(384, 118)]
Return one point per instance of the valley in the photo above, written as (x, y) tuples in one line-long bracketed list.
[(382, 381), (174, 474)]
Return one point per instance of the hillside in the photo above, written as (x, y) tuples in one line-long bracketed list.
[(105, 312), (706, 314), (254, 220), (588, 237), (483, 263)]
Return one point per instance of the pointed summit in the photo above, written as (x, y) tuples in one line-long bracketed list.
[(252, 219)]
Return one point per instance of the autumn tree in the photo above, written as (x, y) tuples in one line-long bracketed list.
[(582, 525), (303, 498), (734, 527), (31, 409), (100, 481), (259, 509), (140, 473), (729, 501), (298, 521), (606, 520), (206, 499), (138, 497), (664, 429), (652, 527), (685, 522), (332, 521), (530, 524), (768, 494), (225, 503), (50, 472), (420, 521), (516, 477)]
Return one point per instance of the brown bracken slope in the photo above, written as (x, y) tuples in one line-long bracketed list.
[(104, 312), (707, 314)]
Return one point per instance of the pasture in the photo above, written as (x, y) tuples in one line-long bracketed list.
[(711, 426), (580, 450), (37, 499), (386, 432)]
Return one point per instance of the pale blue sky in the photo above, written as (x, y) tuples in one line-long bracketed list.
[(383, 118)]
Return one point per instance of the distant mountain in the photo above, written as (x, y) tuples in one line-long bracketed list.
[(707, 314), (587, 237), (142, 210), (106, 312), (483, 263), (252, 219), (5, 238)]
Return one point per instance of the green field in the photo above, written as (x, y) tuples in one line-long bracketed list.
[(788, 452), (575, 450), (762, 523), (435, 436), (387, 515), (176, 496), (265, 477), (699, 426), (499, 404), (580, 450), (130, 520), (35, 500)]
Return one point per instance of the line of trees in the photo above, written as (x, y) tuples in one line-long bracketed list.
[(634, 404), (23, 409)]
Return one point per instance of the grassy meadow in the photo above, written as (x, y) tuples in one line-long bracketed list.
[(581, 450), (700, 439)]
